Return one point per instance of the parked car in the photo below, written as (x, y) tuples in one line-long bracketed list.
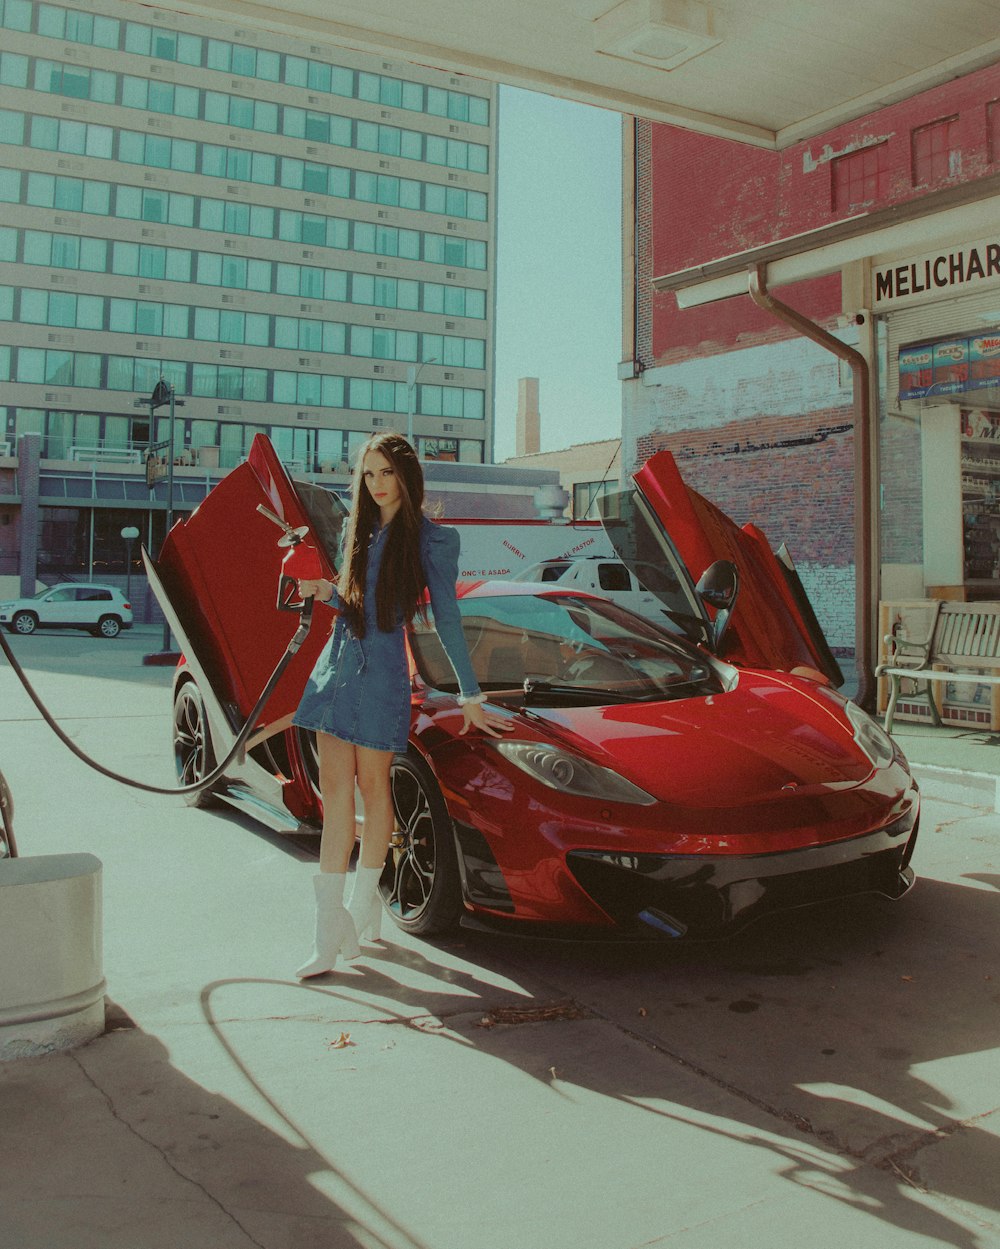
[(598, 574), (100, 609), (656, 783)]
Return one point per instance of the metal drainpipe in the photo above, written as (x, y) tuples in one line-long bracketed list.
[(864, 631)]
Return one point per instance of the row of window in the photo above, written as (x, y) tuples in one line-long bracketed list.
[(313, 449), (257, 329), (105, 199), (178, 264), (57, 22), (218, 381), (77, 138), (865, 176), (107, 87)]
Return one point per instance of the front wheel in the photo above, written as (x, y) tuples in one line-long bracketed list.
[(24, 622), (420, 884), (194, 757)]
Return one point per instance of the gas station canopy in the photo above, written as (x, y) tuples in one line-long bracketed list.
[(767, 72)]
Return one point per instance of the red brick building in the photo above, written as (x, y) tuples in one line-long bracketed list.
[(883, 231)]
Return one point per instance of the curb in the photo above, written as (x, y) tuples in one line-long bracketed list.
[(976, 789)]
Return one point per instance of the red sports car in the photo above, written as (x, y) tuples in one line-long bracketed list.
[(663, 782)]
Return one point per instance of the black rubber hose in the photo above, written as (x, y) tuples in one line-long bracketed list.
[(297, 639)]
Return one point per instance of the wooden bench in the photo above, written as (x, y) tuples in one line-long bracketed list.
[(964, 639)]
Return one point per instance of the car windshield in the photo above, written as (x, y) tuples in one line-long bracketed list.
[(562, 647)]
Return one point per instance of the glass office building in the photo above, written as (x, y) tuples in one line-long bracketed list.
[(298, 238)]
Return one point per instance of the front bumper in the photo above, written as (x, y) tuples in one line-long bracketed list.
[(713, 895)]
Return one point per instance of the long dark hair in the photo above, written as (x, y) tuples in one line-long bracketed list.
[(401, 581)]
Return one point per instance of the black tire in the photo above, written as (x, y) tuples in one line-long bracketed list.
[(421, 886), (24, 622), (108, 627), (194, 757)]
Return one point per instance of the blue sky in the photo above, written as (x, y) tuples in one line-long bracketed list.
[(558, 267)]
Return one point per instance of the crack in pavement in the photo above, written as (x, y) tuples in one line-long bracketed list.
[(162, 1153)]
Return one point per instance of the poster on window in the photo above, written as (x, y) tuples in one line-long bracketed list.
[(955, 366)]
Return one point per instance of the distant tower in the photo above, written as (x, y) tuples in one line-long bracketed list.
[(527, 439)]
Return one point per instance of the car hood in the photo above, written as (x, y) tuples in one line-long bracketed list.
[(663, 523), (769, 739)]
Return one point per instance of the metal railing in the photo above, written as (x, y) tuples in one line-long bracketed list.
[(106, 455)]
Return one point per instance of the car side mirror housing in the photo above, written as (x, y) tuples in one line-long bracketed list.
[(717, 588)]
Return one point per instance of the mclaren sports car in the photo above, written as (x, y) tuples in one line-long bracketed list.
[(667, 782)]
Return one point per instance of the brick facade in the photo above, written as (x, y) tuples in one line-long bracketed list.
[(760, 419)]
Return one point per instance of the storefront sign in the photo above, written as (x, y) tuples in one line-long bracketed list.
[(955, 271), (955, 367)]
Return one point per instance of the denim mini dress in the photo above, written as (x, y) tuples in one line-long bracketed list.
[(359, 688)]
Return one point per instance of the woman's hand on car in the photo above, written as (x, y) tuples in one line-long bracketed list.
[(489, 722)]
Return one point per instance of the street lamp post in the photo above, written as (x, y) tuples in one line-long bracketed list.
[(129, 533), (413, 371), (163, 394)]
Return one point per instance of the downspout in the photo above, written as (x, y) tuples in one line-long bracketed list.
[(864, 631)]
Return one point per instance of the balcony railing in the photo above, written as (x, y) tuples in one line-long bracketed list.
[(106, 455)]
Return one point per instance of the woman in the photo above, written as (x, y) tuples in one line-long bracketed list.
[(357, 699)]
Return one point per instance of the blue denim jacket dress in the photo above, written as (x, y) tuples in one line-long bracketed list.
[(359, 689)]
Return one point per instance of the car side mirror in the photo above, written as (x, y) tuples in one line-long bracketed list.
[(717, 588)]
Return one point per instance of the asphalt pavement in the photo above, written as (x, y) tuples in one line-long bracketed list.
[(829, 1078)]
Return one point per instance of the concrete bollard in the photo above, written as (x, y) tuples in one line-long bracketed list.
[(51, 959)]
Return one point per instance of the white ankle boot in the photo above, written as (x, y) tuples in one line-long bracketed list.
[(365, 905), (335, 933)]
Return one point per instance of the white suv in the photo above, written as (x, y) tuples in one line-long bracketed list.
[(607, 577), (100, 609)]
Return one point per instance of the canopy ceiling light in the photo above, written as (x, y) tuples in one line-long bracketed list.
[(660, 33)]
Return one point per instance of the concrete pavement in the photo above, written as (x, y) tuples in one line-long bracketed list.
[(829, 1078)]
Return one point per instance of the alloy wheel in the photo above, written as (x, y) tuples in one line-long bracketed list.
[(420, 884), (193, 754)]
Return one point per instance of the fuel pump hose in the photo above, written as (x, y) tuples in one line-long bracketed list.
[(305, 623)]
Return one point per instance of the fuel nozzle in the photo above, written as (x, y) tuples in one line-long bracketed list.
[(301, 563)]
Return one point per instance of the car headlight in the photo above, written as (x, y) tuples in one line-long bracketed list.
[(870, 736), (572, 774)]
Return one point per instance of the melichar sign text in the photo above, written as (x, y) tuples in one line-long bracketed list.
[(950, 271)]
